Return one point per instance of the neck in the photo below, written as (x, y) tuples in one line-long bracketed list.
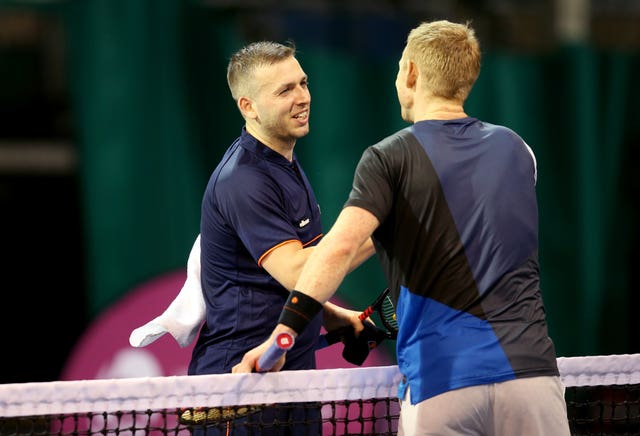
[(285, 148), (434, 108), (444, 114)]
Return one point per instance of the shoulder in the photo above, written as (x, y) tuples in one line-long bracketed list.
[(391, 147), (394, 149), (243, 167), (513, 144), (500, 131), (241, 177), (401, 138)]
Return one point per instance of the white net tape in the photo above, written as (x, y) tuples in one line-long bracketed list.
[(64, 397), (203, 391), (619, 369)]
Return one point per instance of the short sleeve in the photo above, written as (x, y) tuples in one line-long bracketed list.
[(375, 178), (256, 211)]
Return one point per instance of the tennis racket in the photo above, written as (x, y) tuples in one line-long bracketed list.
[(216, 415), (384, 310), (283, 343)]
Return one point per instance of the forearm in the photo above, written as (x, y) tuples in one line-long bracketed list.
[(366, 250), (348, 242), (326, 267)]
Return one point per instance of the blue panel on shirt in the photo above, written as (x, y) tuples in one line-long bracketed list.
[(440, 349)]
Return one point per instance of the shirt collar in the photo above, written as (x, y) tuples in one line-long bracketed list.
[(251, 143)]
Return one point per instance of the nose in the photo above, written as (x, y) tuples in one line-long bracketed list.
[(303, 96)]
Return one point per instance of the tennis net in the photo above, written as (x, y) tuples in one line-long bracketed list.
[(602, 394)]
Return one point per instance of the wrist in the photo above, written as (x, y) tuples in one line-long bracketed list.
[(281, 328), (298, 311)]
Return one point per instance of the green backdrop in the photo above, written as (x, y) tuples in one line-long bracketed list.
[(153, 115)]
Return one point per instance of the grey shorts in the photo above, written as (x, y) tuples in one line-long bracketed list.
[(532, 406)]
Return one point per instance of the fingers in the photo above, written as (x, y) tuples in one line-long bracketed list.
[(341, 317), (279, 364), (249, 362), (358, 325), (243, 367)]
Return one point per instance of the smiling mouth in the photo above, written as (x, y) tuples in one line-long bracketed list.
[(302, 115)]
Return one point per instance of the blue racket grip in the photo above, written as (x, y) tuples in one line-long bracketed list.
[(283, 342)]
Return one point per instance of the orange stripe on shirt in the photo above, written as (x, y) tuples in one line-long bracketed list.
[(266, 253), (313, 240)]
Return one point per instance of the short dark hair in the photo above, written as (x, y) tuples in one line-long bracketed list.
[(247, 59)]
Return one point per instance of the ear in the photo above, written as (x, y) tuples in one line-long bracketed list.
[(412, 74), (246, 108)]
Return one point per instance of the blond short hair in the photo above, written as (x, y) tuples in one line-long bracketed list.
[(448, 54), (245, 61)]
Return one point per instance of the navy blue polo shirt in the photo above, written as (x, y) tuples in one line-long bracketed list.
[(255, 201)]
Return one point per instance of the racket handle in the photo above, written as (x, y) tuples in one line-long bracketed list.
[(284, 341), (366, 314)]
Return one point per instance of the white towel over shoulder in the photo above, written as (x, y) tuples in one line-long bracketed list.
[(184, 316)]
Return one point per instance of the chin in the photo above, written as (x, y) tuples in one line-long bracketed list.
[(299, 133)]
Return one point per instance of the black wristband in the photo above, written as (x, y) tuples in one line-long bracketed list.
[(298, 311)]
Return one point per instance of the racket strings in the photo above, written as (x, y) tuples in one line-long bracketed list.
[(388, 315)]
